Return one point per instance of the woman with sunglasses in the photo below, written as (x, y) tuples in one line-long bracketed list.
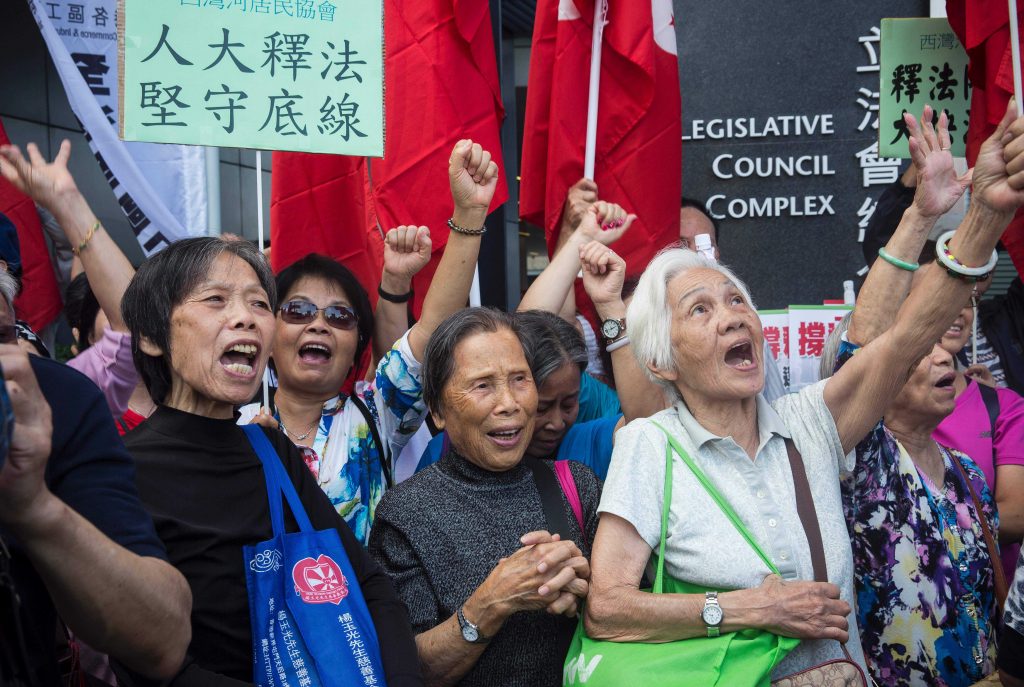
[(324, 326)]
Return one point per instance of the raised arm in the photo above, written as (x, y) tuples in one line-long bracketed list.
[(473, 178), (604, 272), (406, 252), (858, 394), (52, 186), (602, 222), (938, 190)]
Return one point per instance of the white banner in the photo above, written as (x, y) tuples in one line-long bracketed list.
[(809, 326), (160, 188)]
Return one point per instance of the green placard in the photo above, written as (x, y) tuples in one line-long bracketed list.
[(923, 63), (301, 75)]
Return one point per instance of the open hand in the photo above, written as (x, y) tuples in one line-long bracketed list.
[(604, 272), (472, 175), (47, 183), (806, 610), (406, 251), (938, 187), (999, 169)]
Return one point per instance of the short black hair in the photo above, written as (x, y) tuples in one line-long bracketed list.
[(549, 343), (81, 309), (316, 266), (687, 202), (439, 355), (162, 283)]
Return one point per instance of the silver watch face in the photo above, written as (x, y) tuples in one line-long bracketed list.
[(712, 614), (611, 329), (470, 633)]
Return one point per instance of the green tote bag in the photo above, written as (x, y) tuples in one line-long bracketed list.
[(736, 659)]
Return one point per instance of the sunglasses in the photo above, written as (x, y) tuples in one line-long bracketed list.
[(304, 312)]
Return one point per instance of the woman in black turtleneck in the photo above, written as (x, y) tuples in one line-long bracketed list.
[(491, 594), (202, 321)]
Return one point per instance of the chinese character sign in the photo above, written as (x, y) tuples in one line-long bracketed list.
[(300, 75), (809, 327), (922, 63), (775, 327)]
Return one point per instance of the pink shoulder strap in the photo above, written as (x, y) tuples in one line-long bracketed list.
[(569, 489)]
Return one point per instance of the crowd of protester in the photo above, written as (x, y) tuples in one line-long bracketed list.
[(505, 494)]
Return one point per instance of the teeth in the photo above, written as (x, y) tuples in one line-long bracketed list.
[(246, 349), (240, 368), (317, 347), (746, 362)]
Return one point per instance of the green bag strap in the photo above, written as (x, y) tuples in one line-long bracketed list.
[(674, 445)]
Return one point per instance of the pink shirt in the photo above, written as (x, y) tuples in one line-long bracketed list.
[(968, 430), (108, 363)]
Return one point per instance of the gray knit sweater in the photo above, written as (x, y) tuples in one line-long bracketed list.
[(441, 532)]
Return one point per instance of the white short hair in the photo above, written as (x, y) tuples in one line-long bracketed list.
[(8, 289), (649, 317)]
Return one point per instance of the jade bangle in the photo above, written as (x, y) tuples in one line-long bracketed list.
[(896, 262)]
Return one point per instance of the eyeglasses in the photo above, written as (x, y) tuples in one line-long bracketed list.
[(304, 312)]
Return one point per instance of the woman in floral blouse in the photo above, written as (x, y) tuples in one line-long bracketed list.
[(924, 578), (324, 325)]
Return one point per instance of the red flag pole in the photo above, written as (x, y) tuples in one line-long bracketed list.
[(600, 19)]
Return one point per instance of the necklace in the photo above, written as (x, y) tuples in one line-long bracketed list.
[(299, 437)]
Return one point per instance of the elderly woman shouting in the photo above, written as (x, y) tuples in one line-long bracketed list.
[(694, 328), (466, 540), (201, 314)]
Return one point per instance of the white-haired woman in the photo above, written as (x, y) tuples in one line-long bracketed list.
[(694, 328)]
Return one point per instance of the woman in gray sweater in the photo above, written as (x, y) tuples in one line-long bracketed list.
[(492, 593)]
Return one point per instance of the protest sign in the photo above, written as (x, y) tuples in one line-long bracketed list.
[(775, 326), (299, 75), (923, 63), (809, 326)]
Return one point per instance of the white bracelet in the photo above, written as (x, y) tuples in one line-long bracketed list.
[(951, 264), (617, 344)]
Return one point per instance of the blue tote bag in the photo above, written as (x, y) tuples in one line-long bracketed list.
[(310, 623)]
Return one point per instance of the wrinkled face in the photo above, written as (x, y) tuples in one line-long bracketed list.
[(489, 403), (220, 337), (558, 404), (929, 392), (314, 357), (716, 338), (692, 222)]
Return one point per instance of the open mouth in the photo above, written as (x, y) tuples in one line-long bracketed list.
[(506, 438), (240, 359), (946, 381), (955, 331), (314, 353), (741, 356)]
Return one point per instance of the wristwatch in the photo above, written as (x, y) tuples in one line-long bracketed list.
[(470, 632), (712, 614), (613, 329)]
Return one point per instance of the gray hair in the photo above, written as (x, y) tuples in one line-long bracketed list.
[(162, 283), (550, 343), (649, 315), (8, 289), (827, 364), (439, 356)]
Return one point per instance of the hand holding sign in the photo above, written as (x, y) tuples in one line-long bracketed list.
[(938, 187), (472, 175)]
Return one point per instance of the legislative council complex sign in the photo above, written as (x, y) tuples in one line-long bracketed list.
[(300, 75)]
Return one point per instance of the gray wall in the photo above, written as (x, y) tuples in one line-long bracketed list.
[(33, 107)]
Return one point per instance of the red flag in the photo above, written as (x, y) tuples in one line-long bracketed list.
[(39, 302), (441, 85), (639, 146), (983, 27), (318, 205)]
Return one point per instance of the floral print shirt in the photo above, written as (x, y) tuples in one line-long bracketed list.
[(344, 457), (924, 582)]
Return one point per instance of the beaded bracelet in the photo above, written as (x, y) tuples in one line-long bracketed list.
[(463, 230), (958, 269), (896, 262), (77, 250)]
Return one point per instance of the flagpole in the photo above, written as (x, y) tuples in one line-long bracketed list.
[(259, 241), (600, 18), (1015, 48)]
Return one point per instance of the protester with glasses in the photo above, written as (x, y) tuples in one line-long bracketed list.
[(324, 325)]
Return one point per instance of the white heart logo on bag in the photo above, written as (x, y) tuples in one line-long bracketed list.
[(319, 581)]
